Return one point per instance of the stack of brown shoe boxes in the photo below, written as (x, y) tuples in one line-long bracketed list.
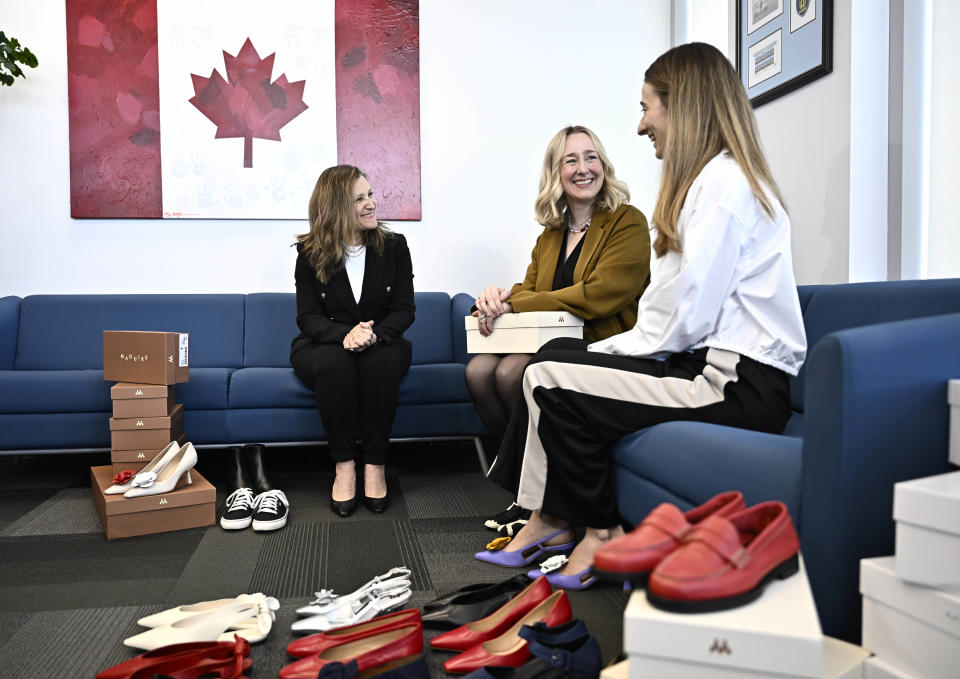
[(146, 417)]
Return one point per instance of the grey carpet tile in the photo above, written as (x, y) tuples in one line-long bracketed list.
[(14, 504), (66, 643), (431, 496), (10, 623), (293, 562), (68, 512), (48, 597)]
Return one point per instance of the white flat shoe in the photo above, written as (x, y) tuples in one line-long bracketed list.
[(250, 620), (327, 601), (155, 464), (172, 615), (164, 480), (357, 610)]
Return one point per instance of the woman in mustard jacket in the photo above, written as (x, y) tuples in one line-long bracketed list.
[(592, 259)]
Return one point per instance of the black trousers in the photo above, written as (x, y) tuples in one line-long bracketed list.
[(356, 395), (576, 404)]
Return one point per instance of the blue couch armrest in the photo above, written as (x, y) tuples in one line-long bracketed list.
[(9, 329), (876, 413), (460, 307)]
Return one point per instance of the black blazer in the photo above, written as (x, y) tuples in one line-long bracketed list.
[(326, 312)]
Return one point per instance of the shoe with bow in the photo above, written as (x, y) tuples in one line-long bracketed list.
[(377, 601), (318, 643), (123, 481), (495, 553), (172, 615), (165, 479), (551, 569), (225, 659), (327, 600)]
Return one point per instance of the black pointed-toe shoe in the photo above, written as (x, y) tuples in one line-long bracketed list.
[(343, 508), (377, 505)]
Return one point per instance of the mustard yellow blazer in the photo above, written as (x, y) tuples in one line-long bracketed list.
[(612, 272)]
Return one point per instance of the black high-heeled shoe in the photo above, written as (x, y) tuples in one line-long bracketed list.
[(344, 508), (377, 505)]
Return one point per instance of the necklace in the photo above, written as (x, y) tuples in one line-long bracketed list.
[(579, 228)]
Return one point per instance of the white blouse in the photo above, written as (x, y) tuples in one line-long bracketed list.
[(731, 288), (356, 261)]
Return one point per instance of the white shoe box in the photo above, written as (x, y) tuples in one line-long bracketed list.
[(953, 398), (778, 635), (522, 333), (878, 668), (913, 627), (619, 671), (927, 512)]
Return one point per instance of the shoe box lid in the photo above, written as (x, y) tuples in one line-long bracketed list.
[(186, 507), (778, 633), (530, 319), (927, 512), (953, 398), (876, 667), (938, 608), (140, 423), (522, 332), (122, 391)]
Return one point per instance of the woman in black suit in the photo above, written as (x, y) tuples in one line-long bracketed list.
[(354, 301)]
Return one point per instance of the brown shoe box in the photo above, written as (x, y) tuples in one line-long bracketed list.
[(146, 357), (146, 433), (137, 459), (188, 507), (142, 400)]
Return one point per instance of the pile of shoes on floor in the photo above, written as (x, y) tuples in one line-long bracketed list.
[(515, 623)]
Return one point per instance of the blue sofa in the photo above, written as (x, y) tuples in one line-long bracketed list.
[(870, 409), (241, 389)]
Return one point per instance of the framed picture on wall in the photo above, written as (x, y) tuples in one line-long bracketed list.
[(779, 51)]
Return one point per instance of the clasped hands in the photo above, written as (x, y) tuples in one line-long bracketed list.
[(490, 304), (360, 337)]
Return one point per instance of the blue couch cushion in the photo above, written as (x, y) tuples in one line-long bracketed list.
[(64, 332), (837, 307), (281, 388), (54, 391), (266, 346), (9, 326), (206, 390), (762, 466)]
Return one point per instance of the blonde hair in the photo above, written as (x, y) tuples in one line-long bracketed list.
[(551, 202), (707, 112), (333, 221)]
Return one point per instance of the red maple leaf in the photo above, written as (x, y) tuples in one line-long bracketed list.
[(247, 104)]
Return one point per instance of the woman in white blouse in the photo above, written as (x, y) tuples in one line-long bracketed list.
[(718, 332)]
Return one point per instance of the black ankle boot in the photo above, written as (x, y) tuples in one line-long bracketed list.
[(253, 456), (237, 474)]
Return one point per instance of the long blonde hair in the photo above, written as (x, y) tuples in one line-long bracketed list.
[(707, 112), (551, 203), (333, 221)]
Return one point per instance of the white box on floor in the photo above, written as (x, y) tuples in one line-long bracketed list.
[(878, 668), (522, 333), (953, 398), (914, 627), (619, 671), (776, 635), (927, 512)]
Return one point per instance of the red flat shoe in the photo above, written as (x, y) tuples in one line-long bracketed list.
[(726, 562), (373, 650), (631, 557), (318, 643), (467, 636), (509, 649), (226, 659)]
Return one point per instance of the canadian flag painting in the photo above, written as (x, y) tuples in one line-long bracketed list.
[(231, 109)]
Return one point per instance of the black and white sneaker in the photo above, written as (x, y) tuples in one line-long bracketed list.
[(509, 521), (239, 512), (270, 510)]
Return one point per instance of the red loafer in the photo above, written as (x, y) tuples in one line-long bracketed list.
[(726, 562), (374, 650), (469, 635), (631, 557), (318, 643), (510, 649)]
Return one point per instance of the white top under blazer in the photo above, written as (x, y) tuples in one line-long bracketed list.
[(731, 288)]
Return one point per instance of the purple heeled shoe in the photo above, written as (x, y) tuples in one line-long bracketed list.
[(525, 556), (549, 568)]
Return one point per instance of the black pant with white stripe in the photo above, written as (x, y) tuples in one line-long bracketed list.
[(576, 404)]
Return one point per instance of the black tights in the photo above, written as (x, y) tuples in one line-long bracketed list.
[(494, 382)]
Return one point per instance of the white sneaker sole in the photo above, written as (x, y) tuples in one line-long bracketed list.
[(235, 524), (270, 525)]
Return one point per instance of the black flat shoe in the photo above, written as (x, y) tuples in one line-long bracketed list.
[(473, 605), (377, 505), (343, 508), (514, 584)]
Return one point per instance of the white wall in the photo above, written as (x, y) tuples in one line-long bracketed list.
[(498, 79)]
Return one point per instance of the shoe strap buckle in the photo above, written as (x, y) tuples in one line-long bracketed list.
[(740, 558)]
